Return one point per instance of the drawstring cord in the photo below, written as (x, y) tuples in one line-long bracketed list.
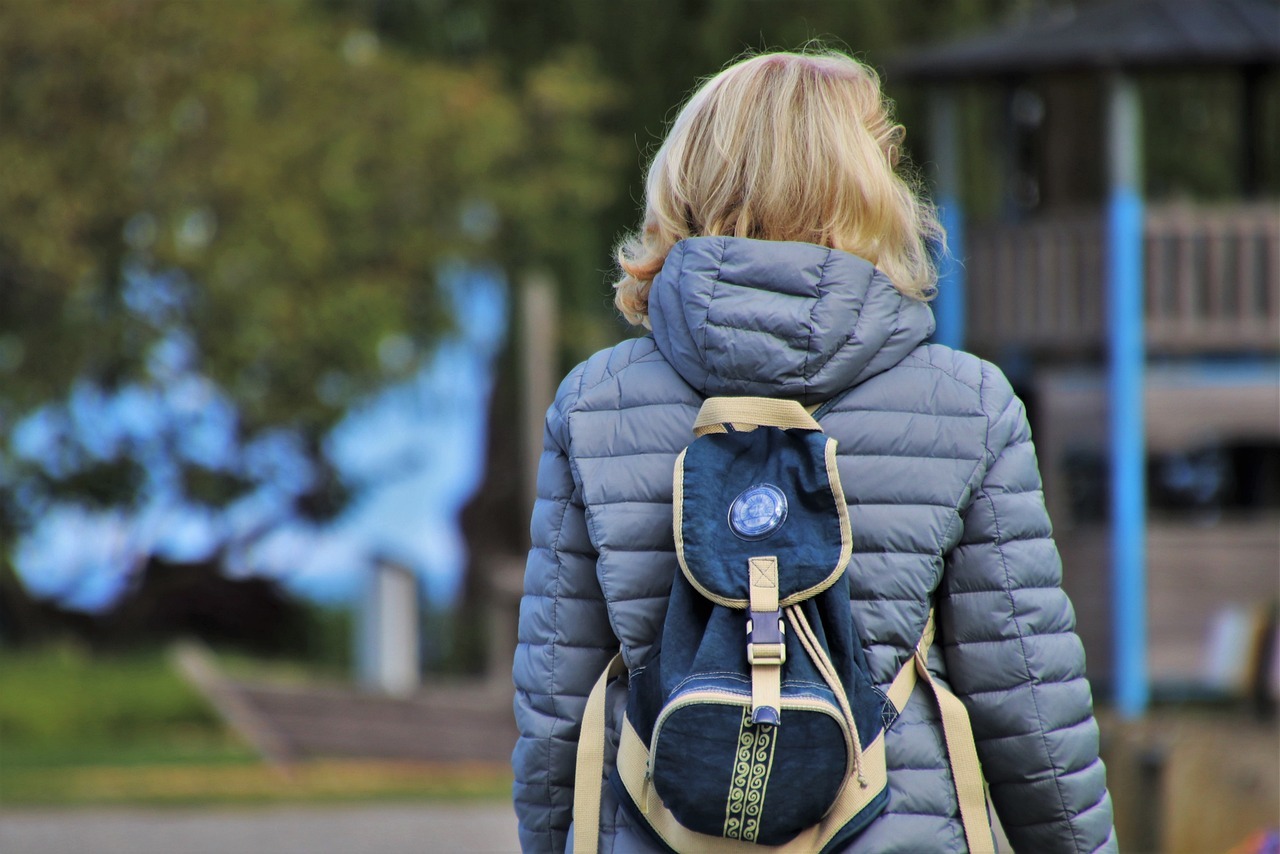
[(811, 645)]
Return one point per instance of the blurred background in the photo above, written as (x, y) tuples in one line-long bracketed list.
[(286, 287)]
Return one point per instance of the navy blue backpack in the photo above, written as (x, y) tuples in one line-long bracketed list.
[(754, 726), (755, 722)]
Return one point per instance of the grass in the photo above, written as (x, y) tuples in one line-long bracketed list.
[(78, 729), (63, 706), (323, 781)]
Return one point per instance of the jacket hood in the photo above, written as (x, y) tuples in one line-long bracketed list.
[(736, 316)]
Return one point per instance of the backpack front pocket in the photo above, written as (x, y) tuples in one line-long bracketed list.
[(721, 775)]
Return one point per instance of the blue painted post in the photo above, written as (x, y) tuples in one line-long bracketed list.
[(944, 154), (1124, 282)]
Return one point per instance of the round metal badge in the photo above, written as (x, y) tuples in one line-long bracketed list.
[(758, 511)]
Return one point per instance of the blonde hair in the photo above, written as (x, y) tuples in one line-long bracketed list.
[(784, 146)]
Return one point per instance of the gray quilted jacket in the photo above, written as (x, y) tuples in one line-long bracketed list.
[(944, 498)]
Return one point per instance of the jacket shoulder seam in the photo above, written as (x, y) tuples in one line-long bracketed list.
[(607, 373), (918, 361)]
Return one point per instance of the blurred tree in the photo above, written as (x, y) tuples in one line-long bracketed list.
[(273, 183), (305, 182), (241, 210)]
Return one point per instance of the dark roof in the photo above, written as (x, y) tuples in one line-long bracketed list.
[(1114, 34)]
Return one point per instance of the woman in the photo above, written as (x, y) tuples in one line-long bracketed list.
[(781, 255)]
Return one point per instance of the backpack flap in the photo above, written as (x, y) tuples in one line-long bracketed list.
[(742, 494)]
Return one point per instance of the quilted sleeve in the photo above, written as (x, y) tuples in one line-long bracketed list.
[(565, 641), (1012, 654)]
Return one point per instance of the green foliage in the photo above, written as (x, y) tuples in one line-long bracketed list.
[(304, 180), (327, 639), (1193, 144), (213, 488), (101, 484)]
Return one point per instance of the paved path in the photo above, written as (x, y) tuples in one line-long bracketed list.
[(345, 829), (336, 829)]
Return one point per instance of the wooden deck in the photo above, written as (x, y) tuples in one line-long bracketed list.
[(1212, 282)]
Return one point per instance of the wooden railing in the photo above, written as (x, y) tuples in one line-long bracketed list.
[(1212, 282)]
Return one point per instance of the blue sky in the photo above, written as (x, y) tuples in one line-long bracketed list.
[(412, 455)]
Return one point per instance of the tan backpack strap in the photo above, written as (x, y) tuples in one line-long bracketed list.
[(589, 768), (747, 413), (961, 749), (765, 657)]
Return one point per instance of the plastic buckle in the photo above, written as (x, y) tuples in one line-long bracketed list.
[(766, 635)]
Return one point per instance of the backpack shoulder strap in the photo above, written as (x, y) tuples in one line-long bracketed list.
[(958, 732), (589, 767)]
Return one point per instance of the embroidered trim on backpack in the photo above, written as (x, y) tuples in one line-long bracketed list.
[(751, 770)]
